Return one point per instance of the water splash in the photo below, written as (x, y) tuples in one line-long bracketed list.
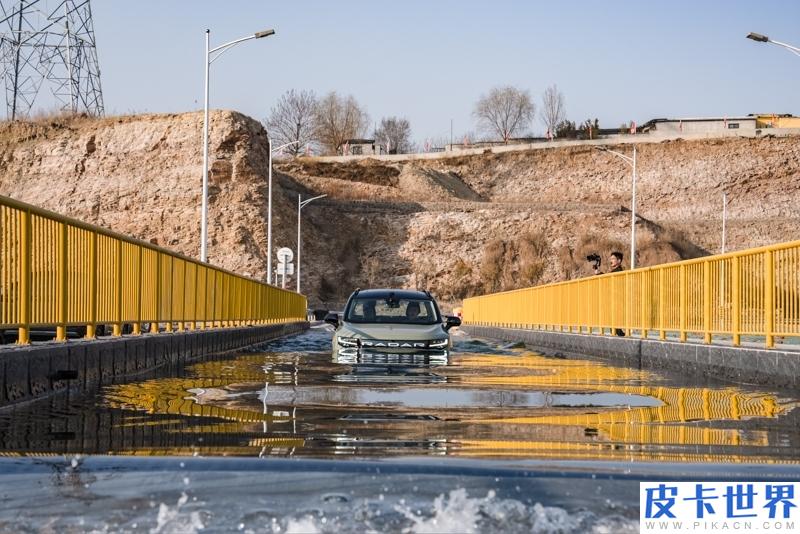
[(305, 525), (174, 521), (458, 513)]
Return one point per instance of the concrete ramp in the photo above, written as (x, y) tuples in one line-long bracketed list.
[(429, 184)]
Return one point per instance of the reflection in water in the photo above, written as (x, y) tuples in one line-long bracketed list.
[(386, 368), (499, 402)]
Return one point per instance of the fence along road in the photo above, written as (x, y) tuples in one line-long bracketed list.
[(753, 292), (58, 272)]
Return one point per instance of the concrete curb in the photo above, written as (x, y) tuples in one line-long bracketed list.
[(742, 365), (37, 371)]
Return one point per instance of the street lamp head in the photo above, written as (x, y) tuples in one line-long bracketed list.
[(265, 33), (758, 37)]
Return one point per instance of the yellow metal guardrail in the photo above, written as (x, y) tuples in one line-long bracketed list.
[(59, 272), (753, 292)]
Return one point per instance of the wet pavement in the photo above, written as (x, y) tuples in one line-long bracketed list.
[(487, 438)]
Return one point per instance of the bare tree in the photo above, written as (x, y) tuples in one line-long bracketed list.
[(505, 111), (337, 119), (292, 120), (553, 108), (396, 134)]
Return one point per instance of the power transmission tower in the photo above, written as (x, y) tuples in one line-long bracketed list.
[(52, 41)]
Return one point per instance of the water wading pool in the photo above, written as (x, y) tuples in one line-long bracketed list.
[(485, 438)]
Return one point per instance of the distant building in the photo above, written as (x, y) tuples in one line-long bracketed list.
[(775, 120), (710, 125), (361, 147), (700, 125)]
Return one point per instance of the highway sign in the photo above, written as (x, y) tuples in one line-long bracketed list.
[(285, 255), (286, 269)]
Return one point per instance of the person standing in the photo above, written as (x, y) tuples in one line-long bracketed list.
[(615, 262)]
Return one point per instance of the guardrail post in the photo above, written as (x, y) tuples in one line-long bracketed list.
[(182, 314), (196, 310), (662, 304), (154, 323), (644, 303), (769, 300), (117, 329), (706, 302), (234, 302), (61, 329), (239, 301), (736, 323), (137, 325), (683, 295), (25, 297), (214, 299), (91, 326), (226, 300), (171, 295), (628, 305)]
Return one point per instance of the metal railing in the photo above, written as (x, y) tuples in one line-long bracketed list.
[(57, 272), (753, 292)]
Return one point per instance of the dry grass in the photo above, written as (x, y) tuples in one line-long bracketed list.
[(512, 264), (490, 270)]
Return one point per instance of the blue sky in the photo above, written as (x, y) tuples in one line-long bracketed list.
[(430, 61)]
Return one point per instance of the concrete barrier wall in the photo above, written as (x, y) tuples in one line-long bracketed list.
[(610, 141), (36, 371), (741, 365)]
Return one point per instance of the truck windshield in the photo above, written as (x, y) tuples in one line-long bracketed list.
[(392, 311)]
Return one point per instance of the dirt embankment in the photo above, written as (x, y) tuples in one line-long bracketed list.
[(141, 176), (456, 226), (529, 217)]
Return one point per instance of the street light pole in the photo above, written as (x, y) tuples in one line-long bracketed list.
[(300, 205), (632, 162), (724, 217), (764, 39), (209, 60), (269, 212), (269, 204), (633, 211), (204, 206)]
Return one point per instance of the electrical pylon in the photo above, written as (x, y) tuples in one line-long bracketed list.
[(49, 42)]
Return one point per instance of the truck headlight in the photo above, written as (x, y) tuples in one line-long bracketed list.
[(348, 341), (438, 343)]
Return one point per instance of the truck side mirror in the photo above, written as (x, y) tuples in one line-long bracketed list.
[(451, 321), (332, 319)]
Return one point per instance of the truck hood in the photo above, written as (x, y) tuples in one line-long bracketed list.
[(392, 332)]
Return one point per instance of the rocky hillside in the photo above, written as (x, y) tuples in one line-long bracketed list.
[(456, 225), (142, 176), (520, 218)]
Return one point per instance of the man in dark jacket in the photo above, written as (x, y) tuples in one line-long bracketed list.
[(615, 262)]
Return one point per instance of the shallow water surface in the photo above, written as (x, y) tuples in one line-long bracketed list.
[(488, 438), (484, 399)]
